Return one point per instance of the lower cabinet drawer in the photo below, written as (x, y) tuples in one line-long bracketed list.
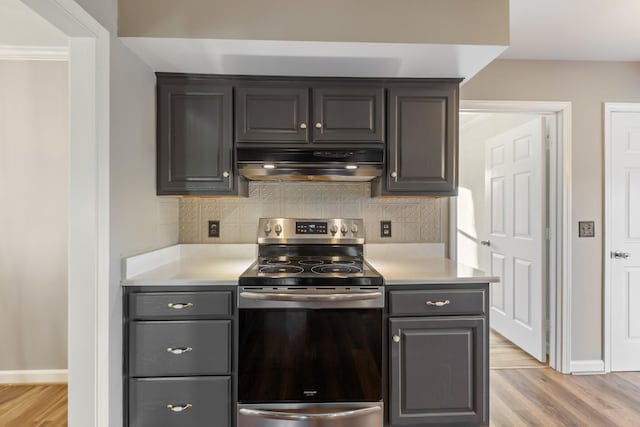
[(180, 402), (197, 347), (436, 302)]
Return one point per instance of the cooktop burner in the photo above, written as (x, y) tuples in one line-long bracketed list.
[(335, 268), (281, 269)]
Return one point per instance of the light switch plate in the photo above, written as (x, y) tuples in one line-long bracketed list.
[(586, 229)]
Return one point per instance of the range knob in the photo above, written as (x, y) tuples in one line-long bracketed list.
[(267, 229), (344, 229), (354, 229), (333, 229), (278, 229)]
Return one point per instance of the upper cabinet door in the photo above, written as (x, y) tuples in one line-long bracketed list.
[(422, 146), (194, 140), (272, 114), (348, 114)]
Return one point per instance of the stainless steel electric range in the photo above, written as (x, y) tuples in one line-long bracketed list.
[(310, 328)]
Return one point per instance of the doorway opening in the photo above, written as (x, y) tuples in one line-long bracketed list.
[(511, 219)]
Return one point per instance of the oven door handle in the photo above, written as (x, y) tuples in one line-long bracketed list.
[(295, 416), (301, 297)]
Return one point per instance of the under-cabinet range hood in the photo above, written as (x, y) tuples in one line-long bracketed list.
[(310, 164)]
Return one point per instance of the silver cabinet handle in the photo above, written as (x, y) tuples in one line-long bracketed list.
[(179, 408), (277, 415), (276, 296), (620, 255), (225, 174), (179, 350), (318, 125), (396, 338), (179, 305), (394, 174), (303, 125), (485, 242), (438, 303)]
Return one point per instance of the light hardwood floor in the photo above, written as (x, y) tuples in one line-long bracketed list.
[(505, 355), (33, 405)]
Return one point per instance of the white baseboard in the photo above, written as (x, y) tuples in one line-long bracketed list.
[(584, 367), (34, 376)]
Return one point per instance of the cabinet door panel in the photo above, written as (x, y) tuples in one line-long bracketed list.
[(272, 114), (438, 371), (348, 115), (194, 139), (423, 141)]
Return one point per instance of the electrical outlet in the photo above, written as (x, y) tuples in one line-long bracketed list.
[(214, 229), (385, 228), (586, 229)]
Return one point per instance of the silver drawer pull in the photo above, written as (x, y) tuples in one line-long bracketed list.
[(179, 408), (179, 305), (179, 350), (438, 303)]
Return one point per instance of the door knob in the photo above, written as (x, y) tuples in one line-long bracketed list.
[(485, 243), (620, 255)]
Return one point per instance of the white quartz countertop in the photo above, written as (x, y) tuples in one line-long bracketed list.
[(193, 264), (420, 264), (222, 264)]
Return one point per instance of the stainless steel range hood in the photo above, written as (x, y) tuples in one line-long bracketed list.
[(302, 164)]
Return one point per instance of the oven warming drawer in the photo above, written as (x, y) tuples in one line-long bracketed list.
[(311, 415)]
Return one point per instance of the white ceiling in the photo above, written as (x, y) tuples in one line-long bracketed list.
[(591, 30)]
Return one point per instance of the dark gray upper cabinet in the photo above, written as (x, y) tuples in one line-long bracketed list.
[(268, 114), (195, 145), (422, 147), (438, 370), (282, 113), (344, 114)]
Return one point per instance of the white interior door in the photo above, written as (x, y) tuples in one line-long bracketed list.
[(625, 239), (514, 247)]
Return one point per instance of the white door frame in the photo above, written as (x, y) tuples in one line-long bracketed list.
[(88, 265), (559, 268), (609, 109)]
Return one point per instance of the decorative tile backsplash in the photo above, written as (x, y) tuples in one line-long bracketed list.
[(414, 219)]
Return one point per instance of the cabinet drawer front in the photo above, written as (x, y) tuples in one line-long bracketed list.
[(199, 347), (435, 302), (176, 305), (209, 399)]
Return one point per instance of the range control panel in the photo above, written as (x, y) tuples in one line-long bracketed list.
[(291, 230), (311, 227)]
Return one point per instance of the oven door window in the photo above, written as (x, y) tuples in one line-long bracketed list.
[(301, 355)]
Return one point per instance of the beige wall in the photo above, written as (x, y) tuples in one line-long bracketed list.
[(34, 149), (587, 85), (413, 219), (407, 21)]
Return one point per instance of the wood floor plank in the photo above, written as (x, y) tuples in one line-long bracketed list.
[(33, 405), (506, 355)]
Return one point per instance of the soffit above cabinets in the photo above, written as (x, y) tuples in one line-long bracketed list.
[(332, 59)]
